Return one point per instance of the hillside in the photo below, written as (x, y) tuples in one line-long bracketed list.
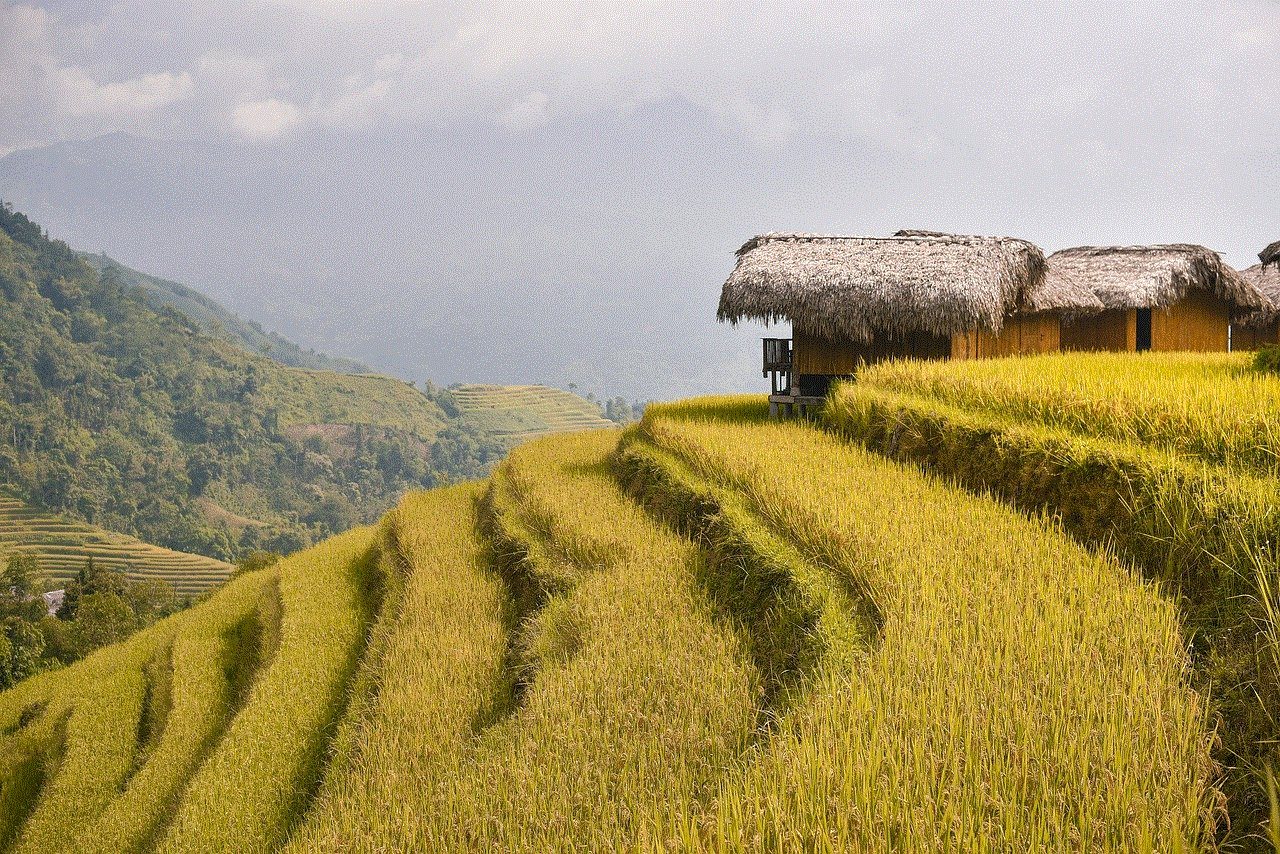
[(131, 418), (515, 414), (714, 632), (216, 320), (62, 547)]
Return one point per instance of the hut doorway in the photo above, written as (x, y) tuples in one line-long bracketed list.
[(1142, 338)]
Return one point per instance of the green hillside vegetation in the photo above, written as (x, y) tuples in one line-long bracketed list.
[(216, 320), (132, 419), (514, 414), (708, 632), (322, 397)]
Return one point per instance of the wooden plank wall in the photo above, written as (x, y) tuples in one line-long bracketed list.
[(1115, 330), (1250, 338), (815, 355), (1198, 323), (1021, 335)]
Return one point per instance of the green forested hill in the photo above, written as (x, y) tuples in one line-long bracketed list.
[(131, 417), (215, 319)]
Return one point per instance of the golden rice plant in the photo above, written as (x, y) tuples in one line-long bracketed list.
[(264, 770), (639, 701), (201, 666), (1207, 530), (1207, 405), (78, 737), (1024, 695)]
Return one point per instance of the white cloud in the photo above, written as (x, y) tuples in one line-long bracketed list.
[(357, 105), (262, 121), (527, 112), (81, 95)]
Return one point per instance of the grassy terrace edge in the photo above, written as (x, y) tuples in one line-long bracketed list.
[(953, 644), (1201, 531)]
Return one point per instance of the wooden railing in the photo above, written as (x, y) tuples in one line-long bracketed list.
[(777, 364)]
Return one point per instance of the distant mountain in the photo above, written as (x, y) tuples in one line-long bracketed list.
[(128, 415), (217, 320)]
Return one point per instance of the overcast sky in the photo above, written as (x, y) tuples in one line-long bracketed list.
[(553, 192)]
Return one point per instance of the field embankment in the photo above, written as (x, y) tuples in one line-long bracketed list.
[(1170, 458), (963, 727)]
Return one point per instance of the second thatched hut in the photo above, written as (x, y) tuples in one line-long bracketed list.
[(1262, 328), (1166, 297)]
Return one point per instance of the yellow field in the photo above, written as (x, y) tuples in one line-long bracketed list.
[(710, 632), (1168, 457), (1211, 406), (515, 414)]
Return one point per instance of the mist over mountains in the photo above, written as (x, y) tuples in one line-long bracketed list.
[(469, 273)]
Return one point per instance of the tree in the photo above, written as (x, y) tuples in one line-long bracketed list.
[(101, 618)]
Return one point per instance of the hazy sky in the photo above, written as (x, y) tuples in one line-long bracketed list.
[(553, 192)]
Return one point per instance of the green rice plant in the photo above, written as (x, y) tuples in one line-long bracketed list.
[(1206, 405), (1024, 695), (260, 777)]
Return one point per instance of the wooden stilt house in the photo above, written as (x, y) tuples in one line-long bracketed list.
[(1262, 328), (1167, 297), (855, 300)]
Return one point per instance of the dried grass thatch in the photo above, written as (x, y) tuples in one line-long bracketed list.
[(1149, 276), (1061, 295), (1270, 255), (854, 287), (1266, 279)]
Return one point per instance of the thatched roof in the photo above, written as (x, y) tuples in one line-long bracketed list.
[(1149, 276), (921, 232), (1266, 279), (854, 287), (1270, 255), (1061, 295)]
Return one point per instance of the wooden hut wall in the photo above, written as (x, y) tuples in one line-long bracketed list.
[(818, 356), (1115, 330), (1021, 335), (1197, 322), (1254, 338)]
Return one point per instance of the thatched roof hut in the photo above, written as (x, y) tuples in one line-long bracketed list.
[(1266, 279), (1270, 255), (856, 287), (1125, 277)]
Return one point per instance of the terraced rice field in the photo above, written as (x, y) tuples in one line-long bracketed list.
[(1169, 458), (710, 632), (515, 414), (62, 548)]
